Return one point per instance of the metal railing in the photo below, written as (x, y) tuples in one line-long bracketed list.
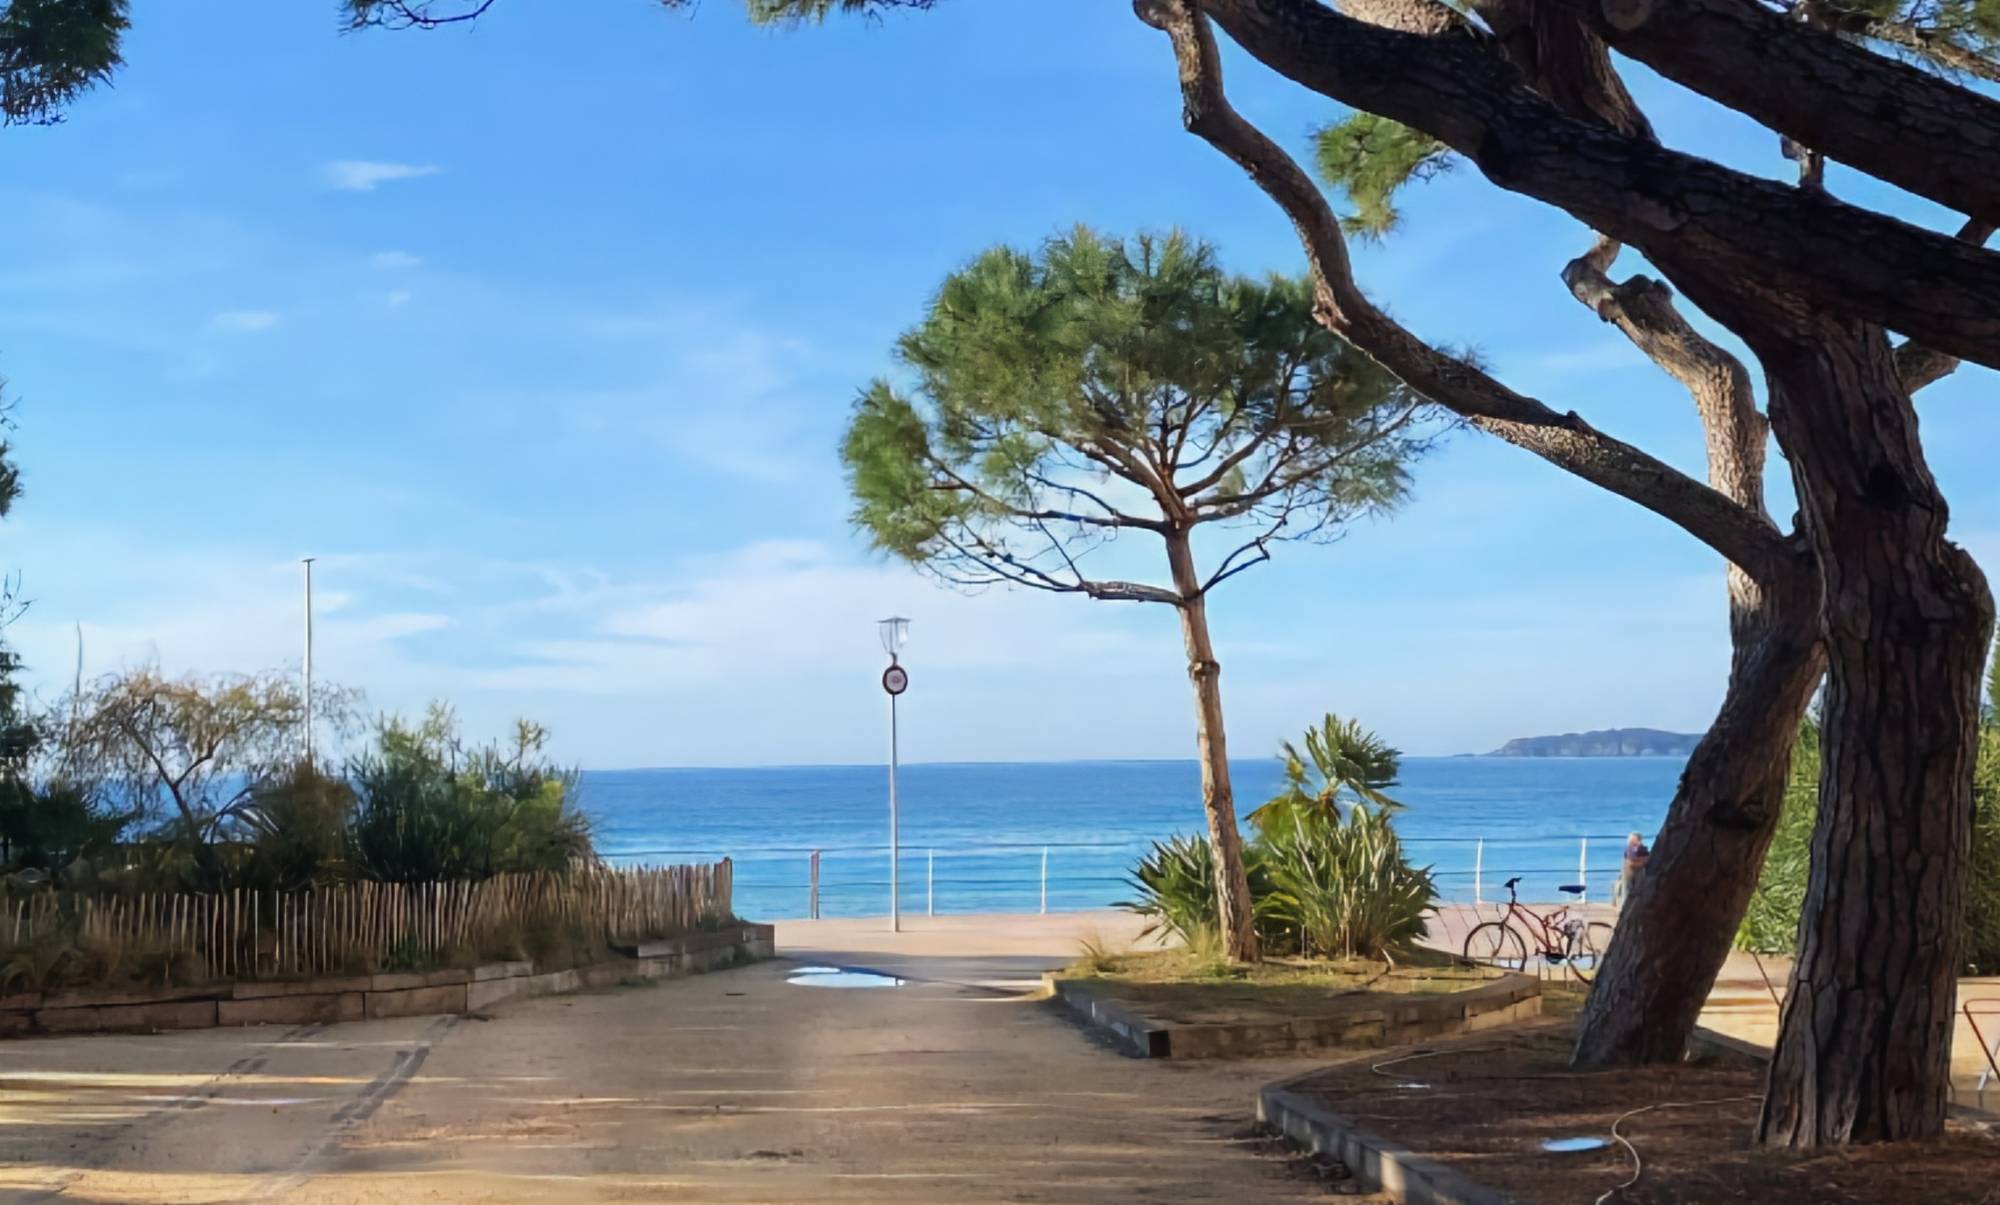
[(1023, 876)]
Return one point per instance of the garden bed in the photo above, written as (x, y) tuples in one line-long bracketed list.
[(1172, 1004), (1468, 1122), (373, 997)]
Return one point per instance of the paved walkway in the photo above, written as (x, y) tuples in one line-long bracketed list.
[(730, 1087)]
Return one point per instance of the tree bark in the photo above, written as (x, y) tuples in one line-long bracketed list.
[(1891, 119), (1905, 614), (1773, 244), (1864, 1041), (1564, 439), (1682, 913), (1681, 917), (1234, 919)]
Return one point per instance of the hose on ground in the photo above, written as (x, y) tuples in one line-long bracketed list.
[(1638, 1165)]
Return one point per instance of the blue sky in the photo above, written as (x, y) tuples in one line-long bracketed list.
[(541, 334)]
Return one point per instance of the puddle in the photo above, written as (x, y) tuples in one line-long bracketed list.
[(841, 977), (1565, 1146), (1412, 1084)]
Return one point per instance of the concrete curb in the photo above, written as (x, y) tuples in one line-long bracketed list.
[(1376, 1162), (390, 994), (1136, 1034), (1413, 1178), (1506, 1000)]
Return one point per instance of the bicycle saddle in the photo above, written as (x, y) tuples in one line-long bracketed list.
[(1572, 888), (1509, 884)]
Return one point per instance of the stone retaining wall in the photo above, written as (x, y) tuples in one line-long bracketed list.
[(370, 997)]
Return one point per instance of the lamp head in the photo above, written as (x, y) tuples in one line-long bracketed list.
[(895, 633)]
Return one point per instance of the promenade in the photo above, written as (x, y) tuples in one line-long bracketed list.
[(731, 1087)]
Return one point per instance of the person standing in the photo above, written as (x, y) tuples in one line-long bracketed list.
[(1636, 854)]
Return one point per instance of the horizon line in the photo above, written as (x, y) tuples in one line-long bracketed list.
[(1090, 761)]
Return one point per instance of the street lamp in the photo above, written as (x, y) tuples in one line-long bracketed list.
[(895, 633), (308, 675)]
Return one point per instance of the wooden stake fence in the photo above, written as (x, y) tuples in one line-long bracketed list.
[(264, 934)]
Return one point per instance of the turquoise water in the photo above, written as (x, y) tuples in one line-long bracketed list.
[(980, 830)]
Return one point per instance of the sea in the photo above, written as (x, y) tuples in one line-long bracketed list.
[(1062, 836)]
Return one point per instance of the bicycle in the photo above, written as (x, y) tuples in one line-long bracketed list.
[(1577, 943)]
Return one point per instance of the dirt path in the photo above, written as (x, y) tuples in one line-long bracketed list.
[(729, 1087)]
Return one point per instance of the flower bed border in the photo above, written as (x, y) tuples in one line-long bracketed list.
[(1377, 1163), (1413, 1179), (1510, 998), (370, 997)]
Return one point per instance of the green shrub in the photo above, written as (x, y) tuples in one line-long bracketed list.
[(1176, 885), (1982, 889), (1327, 873), (426, 809), (1344, 885), (1771, 924), (49, 824), (1175, 881), (297, 831)]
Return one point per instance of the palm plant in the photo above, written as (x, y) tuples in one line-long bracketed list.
[(1343, 884), (1342, 762), (1175, 881)]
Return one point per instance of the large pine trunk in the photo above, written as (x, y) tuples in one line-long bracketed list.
[(1683, 911), (1234, 919), (1864, 1040)]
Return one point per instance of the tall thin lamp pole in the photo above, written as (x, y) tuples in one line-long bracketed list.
[(895, 833), (895, 633), (308, 563)]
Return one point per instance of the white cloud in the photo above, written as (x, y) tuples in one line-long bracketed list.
[(766, 653), (391, 260), (364, 175), (779, 609), (242, 322)]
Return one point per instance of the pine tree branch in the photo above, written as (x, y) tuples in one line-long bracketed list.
[(1888, 118), (1928, 46), (1920, 365), (1564, 439), (1739, 246)]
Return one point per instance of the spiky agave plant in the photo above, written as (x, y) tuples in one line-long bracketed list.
[(1344, 883), (1175, 882)]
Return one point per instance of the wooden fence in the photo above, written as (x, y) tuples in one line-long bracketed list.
[(350, 926)]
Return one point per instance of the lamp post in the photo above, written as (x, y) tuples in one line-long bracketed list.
[(308, 675), (895, 633)]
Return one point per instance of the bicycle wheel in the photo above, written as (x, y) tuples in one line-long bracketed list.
[(1496, 944), (1586, 949)]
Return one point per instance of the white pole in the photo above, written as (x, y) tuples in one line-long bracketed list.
[(930, 871), (308, 562), (1478, 865), (895, 835), (1583, 868), (1045, 880)]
